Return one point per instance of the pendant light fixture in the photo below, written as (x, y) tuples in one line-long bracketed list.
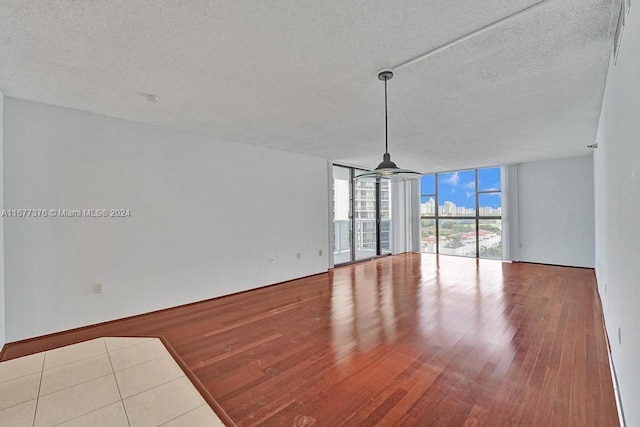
[(387, 169)]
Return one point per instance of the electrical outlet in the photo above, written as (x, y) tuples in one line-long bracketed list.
[(272, 260), (97, 288), (320, 252), (299, 255)]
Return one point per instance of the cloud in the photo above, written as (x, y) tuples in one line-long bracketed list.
[(470, 185), (453, 179), (470, 194), (494, 187)]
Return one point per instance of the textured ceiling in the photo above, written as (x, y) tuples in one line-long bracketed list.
[(300, 75)]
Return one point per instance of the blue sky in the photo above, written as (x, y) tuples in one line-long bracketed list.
[(460, 186)]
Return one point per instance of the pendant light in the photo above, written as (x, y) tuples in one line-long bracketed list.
[(387, 169)]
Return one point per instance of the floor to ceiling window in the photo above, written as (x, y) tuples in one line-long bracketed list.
[(341, 215), (361, 217), (461, 213)]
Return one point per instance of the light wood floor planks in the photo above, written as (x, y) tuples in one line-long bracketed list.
[(404, 340)]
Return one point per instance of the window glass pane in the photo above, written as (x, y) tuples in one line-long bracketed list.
[(489, 179), (365, 200), (490, 233), (457, 193), (428, 206), (361, 220), (341, 173), (490, 204), (365, 219), (428, 235), (457, 237), (457, 196), (428, 184), (341, 214), (365, 238)]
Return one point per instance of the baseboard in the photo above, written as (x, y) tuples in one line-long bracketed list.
[(614, 375), (616, 390), (135, 316), (552, 265)]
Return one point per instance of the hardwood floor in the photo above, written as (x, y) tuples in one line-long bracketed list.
[(404, 340)]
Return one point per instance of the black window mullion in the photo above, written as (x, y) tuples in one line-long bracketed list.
[(477, 217), (352, 214), (437, 213), (378, 215)]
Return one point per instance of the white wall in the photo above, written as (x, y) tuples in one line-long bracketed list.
[(206, 217), (617, 196), (2, 303), (555, 212)]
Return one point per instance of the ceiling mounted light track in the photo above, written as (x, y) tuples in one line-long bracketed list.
[(470, 35), (387, 169)]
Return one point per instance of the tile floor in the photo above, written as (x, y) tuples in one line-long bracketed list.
[(106, 382)]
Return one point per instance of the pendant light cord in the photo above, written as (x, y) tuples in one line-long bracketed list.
[(386, 124)]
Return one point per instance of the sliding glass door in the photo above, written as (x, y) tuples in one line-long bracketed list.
[(365, 209), (342, 229), (361, 217)]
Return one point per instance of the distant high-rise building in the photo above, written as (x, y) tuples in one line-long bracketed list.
[(365, 215), (429, 207), (449, 208)]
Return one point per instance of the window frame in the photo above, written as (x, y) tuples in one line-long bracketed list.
[(370, 206), (477, 217)]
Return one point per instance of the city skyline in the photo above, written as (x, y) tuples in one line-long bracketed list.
[(448, 208), (459, 187)]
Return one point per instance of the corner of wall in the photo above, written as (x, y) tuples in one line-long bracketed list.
[(2, 301), (560, 230), (330, 243), (617, 200)]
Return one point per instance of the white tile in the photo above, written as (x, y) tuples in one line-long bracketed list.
[(20, 367), (73, 353), (117, 343), (202, 416), (19, 415), (147, 375), (109, 416), (75, 373), (78, 400), (19, 390), (163, 403), (137, 354)]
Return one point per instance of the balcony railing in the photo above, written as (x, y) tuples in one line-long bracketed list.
[(365, 235)]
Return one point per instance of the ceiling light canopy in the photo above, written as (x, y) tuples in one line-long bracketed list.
[(387, 169)]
